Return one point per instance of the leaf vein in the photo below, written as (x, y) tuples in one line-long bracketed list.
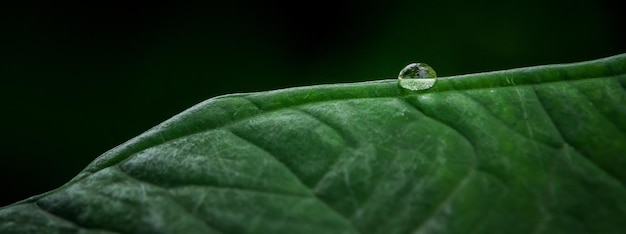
[(167, 194), (565, 141), (73, 223), (470, 173), (297, 178)]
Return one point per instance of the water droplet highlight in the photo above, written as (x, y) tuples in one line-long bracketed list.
[(417, 76)]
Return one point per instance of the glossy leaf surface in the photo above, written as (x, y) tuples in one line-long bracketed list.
[(530, 150)]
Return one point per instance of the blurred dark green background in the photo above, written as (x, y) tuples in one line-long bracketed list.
[(78, 80)]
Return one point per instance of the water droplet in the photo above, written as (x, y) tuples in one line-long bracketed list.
[(417, 76)]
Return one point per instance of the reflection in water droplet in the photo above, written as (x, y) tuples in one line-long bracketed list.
[(417, 76)]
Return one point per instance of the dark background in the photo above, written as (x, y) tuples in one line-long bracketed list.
[(79, 79)]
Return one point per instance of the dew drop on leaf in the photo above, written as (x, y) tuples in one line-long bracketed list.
[(417, 76)]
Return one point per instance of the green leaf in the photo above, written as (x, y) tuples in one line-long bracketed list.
[(530, 150)]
